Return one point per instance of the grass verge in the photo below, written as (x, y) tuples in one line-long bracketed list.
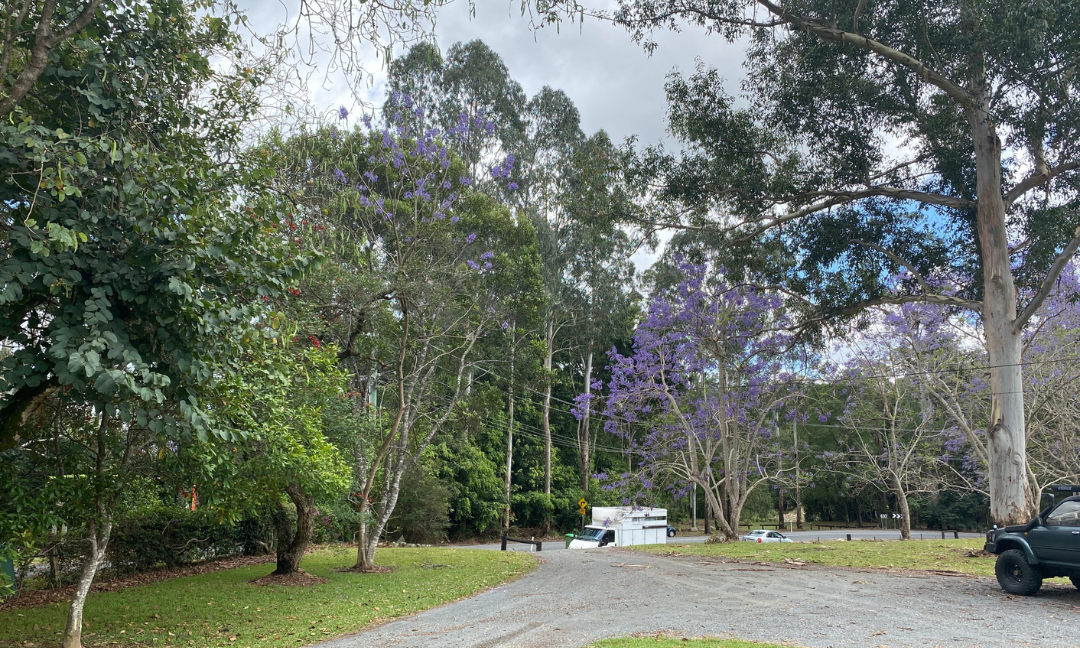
[(669, 642), (963, 556), (225, 609)]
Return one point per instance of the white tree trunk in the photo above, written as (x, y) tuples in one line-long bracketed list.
[(583, 430), (99, 533), (1010, 499)]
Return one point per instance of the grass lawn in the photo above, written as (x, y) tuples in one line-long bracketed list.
[(667, 642), (936, 555), (225, 609)]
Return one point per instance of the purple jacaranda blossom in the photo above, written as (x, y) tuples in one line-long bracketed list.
[(342, 113)]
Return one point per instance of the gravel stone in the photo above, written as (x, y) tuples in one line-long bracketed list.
[(577, 597)]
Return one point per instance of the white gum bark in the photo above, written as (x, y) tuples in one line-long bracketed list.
[(99, 541), (1010, 499)]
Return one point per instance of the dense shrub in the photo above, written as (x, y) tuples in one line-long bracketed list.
[(174, 536), (423, 509)]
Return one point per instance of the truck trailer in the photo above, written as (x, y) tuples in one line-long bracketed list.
[(622, 526)]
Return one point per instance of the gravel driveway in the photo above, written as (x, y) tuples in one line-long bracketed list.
[(576, 597)]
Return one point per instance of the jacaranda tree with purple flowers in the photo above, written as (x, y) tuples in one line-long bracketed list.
[(700, 398), (413, 283), (894, 438)]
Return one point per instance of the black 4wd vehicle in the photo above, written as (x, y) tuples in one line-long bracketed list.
[(1045, 547)]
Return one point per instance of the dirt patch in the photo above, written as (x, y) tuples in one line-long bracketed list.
[(30, 598), (300, 578), (978, 553), (374, 569)]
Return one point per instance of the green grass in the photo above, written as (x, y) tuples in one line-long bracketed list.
[(225, 609), (668, 642), (937, 555)]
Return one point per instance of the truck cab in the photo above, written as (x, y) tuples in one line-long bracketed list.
[(622, 526), (594, 536), (1046, 547)]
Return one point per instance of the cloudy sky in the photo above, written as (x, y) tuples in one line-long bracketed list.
[(614, 83)]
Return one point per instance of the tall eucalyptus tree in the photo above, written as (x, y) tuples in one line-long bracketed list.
[(890, 135)]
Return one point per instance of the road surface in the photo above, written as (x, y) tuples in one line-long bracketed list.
[(577, 597)]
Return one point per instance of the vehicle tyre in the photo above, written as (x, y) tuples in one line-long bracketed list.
[(1016, 575), (670, 532)]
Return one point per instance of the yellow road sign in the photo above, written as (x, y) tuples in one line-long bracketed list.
[(582, 503), (582, 510)]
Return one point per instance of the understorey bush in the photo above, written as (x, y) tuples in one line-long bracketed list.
[(174, 537)]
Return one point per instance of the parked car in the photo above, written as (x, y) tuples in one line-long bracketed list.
[(671, 532), (761, 535), (1046, 547)]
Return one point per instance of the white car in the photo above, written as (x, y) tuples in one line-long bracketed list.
[(761, 535)]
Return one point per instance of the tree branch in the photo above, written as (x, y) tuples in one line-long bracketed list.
[(840, 197), (1047, 282), (1037, 179), (900, 261), (832, 33), (44, 42)]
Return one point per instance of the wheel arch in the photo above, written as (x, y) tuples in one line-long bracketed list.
[(1015, 543)]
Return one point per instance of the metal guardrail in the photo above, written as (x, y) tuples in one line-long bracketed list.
[(535, 543)]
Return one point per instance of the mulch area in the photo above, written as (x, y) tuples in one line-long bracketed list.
[(30, 598), (299, 579)]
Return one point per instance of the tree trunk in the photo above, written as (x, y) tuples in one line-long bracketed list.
[(289, 555), (99, 533), (780, 506), (583, 431), (365, 560), (904, 510), (1010, 499)]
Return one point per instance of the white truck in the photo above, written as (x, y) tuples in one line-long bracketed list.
[(622, 526)]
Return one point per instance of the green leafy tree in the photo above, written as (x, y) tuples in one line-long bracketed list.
[(890, 144), (421, 259), (276, 403), (132, 264)]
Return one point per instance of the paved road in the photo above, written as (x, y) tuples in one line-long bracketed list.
[(799, 536), (577, 597)]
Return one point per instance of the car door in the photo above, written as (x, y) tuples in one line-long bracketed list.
[(1058, 540), (773, 536)]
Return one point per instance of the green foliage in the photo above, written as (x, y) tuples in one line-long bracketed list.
[(953, 511), (176, 536), (131, 261), (422, 513)]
